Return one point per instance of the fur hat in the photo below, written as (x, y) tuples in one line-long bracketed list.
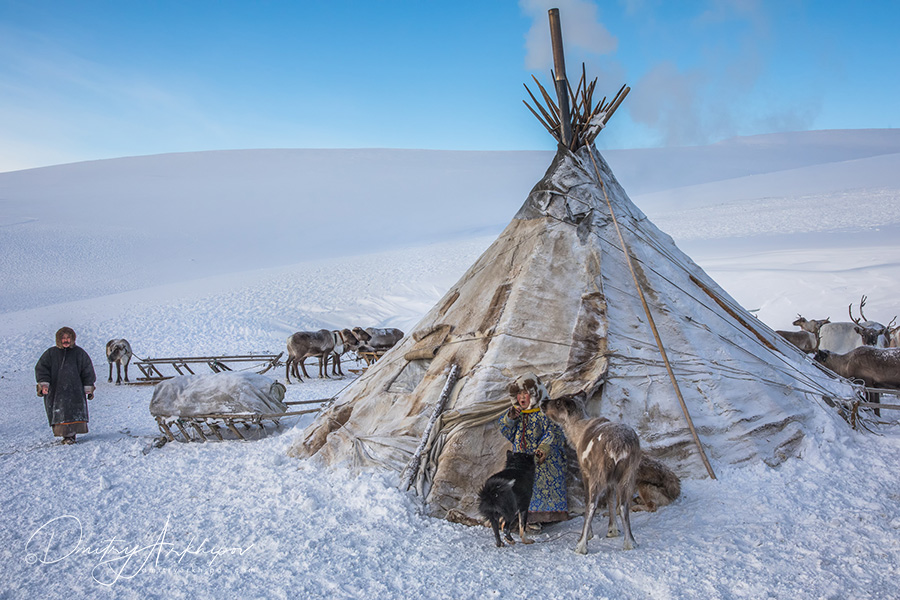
[(64, 331), (530, 383)]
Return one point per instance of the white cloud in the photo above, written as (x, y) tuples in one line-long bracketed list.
[(582, 30), (707, 63)]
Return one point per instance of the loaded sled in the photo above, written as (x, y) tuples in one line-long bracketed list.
[(224, 405)]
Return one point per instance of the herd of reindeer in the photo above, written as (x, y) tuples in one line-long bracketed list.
[(324, 344), (333, 344), (858, 349)]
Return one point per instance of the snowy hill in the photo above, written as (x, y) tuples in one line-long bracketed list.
[(230, 252)]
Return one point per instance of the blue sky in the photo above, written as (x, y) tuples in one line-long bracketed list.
[(84, 80)]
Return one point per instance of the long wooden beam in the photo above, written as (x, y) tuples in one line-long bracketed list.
[(562, 86)]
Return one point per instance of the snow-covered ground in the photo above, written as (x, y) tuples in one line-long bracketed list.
[(199, 254)]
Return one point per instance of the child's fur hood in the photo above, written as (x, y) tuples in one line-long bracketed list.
[(532, 384)]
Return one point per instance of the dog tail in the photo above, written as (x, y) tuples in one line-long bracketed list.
[(492, 491)]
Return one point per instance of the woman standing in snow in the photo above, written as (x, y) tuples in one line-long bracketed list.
[(530, 431), (65, 378)]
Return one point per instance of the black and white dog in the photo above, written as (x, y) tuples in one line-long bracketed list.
[(506, 495)]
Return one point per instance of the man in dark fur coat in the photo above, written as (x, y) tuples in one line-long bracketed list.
[(65, 377)]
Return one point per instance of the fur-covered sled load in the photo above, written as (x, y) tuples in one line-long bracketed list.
[(225, 393), (553, 295)]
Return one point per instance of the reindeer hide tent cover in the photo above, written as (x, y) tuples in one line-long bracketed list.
[(553, 295)]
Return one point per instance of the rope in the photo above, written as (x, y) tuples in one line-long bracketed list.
[(654, 243), (793, 373), (652, 323)]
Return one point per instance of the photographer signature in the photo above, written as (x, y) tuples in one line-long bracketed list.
[(62, 537)]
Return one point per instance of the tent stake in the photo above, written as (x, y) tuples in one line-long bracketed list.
[(438, 409), (659, 344)]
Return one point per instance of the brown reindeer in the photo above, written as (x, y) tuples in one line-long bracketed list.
[(871, 332), (609, 455), (894, 335), (804, 340), (876, 367), (377, 338), (814, 327), (304, 344)]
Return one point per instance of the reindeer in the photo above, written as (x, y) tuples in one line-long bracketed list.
[(609, 455), (118, 351), (842, 337), (812, 327), (304, 344), (344, 341), (876, 367), (894, 336), (804, 340), (377, 338), (871, 332)]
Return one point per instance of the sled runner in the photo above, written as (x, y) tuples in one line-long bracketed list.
[(225, 426)]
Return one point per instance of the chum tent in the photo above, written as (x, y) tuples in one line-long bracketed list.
[(555, 295)]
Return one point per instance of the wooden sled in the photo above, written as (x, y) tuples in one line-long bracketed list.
[(151, 373), (856, 420), (371, 357)]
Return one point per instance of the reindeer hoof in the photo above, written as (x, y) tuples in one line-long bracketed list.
[(527, 541), (581, 549)]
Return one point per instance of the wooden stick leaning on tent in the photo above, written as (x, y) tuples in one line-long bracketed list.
[(659, 344), (413, 466)]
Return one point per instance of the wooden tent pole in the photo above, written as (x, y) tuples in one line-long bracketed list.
[(659, 344), (562, 86)]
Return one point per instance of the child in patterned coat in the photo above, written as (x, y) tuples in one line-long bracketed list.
[(531, 431)]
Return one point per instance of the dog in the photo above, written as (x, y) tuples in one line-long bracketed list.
[(506, 495), (657, 485), (608, 455)]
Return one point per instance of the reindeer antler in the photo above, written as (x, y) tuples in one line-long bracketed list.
[(862, 302)]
